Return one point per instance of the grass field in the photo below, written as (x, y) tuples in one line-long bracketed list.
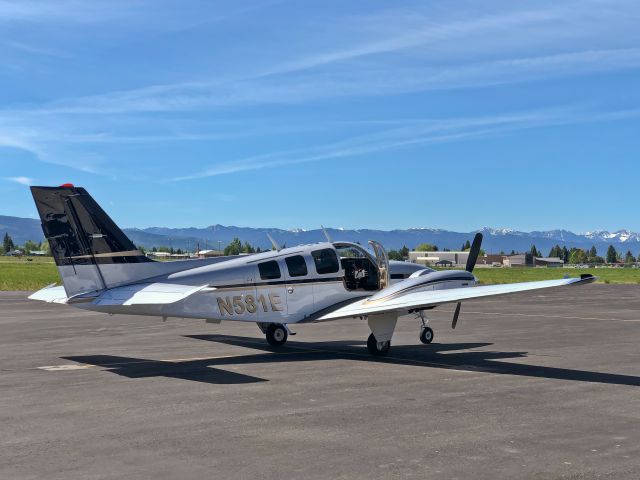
[(32, 274), (489, 276), (27, 273)]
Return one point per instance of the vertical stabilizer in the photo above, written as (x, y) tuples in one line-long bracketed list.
[(92, 253)]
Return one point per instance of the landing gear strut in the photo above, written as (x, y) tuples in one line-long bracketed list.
[(426, 333), (276, 334), (379, 349)]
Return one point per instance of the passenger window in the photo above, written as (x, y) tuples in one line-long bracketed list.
[(296, 265), (269, 270), (326, 261)]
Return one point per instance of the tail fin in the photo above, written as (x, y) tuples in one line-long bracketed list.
[(91, 252)]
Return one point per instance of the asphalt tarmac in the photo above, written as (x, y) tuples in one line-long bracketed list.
[(538, 386)]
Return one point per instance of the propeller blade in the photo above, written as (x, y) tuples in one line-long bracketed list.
[(456, 314), (474, 252)]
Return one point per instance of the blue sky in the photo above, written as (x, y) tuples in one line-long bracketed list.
[(444, 114)]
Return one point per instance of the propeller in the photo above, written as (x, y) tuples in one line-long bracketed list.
[(474, 252), (471, 263)]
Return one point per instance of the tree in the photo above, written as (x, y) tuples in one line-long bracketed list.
[(234, 248), (556, 252), (426, 247), (534, 251), (45, 247), (394, 255), (565, 255), (593, 253), (247, 248), (142, 249), (577, 255), (8, 243), (404, 252), (629, 258), (466, 246), (30, 246), (612, 254)]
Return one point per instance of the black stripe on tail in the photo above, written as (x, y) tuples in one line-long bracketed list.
[(79, 231)]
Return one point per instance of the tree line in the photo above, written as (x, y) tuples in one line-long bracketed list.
[(8, 245), (579, 255), (236, 247)]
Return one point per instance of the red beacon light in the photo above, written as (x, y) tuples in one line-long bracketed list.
[(67, 185)]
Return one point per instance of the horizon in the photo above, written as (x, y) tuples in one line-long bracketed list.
[(501, 230), (365, 115)]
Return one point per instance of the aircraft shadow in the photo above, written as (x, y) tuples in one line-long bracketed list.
[(444, 356), (447, 356)]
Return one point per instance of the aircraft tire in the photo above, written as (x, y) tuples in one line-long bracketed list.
[(426, 335), (276, 335), (377, 349)]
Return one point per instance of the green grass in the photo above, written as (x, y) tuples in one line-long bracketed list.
[(27, 273), (489, 276), (32, 273)]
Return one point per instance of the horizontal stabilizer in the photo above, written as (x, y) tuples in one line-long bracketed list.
[(146, 294), (50, 294)]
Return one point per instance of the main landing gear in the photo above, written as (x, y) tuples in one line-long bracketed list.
[(275, 333), (426, 333), (376, 348)]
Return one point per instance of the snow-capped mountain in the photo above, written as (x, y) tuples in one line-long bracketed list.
[(495, 239)]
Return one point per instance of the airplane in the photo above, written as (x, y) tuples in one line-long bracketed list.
[(103, 271)]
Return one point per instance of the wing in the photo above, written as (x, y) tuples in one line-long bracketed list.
[(433, 298)]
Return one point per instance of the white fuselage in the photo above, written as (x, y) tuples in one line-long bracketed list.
[(286, 286)]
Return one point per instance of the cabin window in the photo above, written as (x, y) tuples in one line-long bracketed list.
[(296, 265), (326, 261), (398, 276), (269, 270)]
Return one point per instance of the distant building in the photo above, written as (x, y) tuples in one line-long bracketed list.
[(491, 259), (528, 260), (167, 255), (433, 258), (38, 253), (550, 262), (209, 253), (519, 260)]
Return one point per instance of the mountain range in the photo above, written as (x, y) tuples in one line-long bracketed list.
[(495, 240)]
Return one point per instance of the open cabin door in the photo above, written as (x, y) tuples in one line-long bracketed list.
[(382, 261)]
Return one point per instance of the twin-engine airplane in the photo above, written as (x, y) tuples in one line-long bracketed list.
[(103, 271)]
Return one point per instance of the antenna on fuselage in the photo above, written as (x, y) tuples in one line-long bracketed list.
[(274, 243), (326, 234)]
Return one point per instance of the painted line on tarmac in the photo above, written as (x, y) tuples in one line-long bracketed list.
[(541, 315), (84, 366), (367, 356)]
